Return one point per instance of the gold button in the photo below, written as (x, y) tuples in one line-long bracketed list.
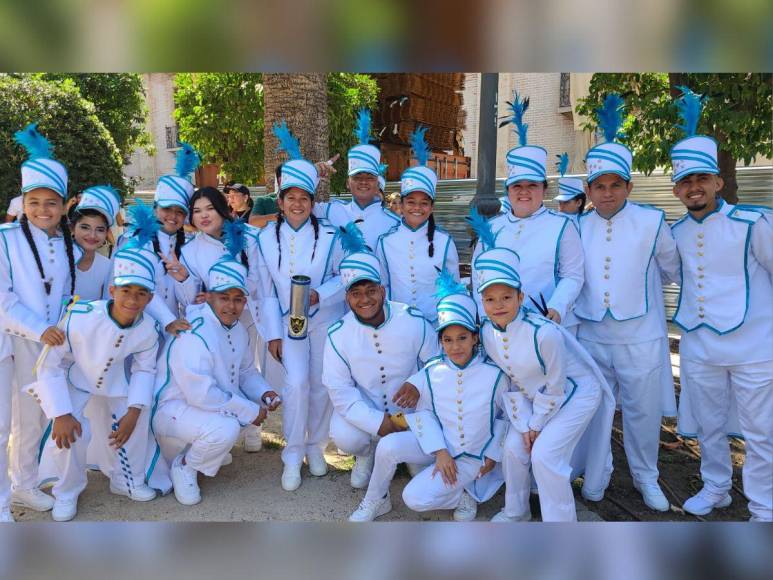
[(609, 238), (606, 276), (700, 234), (700, 268), (608, 259)]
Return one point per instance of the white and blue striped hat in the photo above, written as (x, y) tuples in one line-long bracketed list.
[(297, 172), (610, 157), (364, 157), (524, 162), (102, 198), (227, 273), (568, 187), (455, 305), (420, 177), (497, 266), (40, 169), (360, 266), (135, 265), (695, 153), (175, 190)]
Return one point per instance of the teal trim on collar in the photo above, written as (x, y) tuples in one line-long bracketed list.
[(475, 356), (622, 207), (300, 227), (134, 324), (214, 315), (537, 212), (417, 228), (711, 213), (387, 317), (375, 200)]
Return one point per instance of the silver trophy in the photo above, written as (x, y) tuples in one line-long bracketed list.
[(300, 292)]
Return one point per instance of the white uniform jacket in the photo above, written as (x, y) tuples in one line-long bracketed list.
[(364, 367), (373, 219), (94, 283)]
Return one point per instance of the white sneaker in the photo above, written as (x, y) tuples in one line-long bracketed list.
[(253, 442), (228, 459), (502, 517), (291, 477), (363, 467), (186, 488), (591, 496), (653, 496), (33, 499), (317, 463), (5, 516), (64, 509), (370, 510), (415, 469), (467, 508), (704, 501), (139, 493)]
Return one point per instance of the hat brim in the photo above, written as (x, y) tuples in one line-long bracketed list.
[(133, 281), (170, 203), (225, 287), (361, 278), (505, 281)]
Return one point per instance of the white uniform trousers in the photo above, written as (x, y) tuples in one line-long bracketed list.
[(28, 422), (306, 406), (636, 373), (68, 466), (6, 395), (350, 439), (711, 390), (550, 460)]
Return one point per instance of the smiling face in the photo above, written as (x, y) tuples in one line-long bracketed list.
[(698, 192), (458, 343), (501, 303), (608, 193), (296, 205), (90, 232), (44, 208), (172, 218), (366, 299), (364, 187), (416, 208), (227, 306), (129, 302), (525, 197), (205, 218)]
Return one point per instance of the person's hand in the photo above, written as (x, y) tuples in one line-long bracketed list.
[(406, 397), (177, 326), (488, 465), (553, 315), (201, 298), (313, 298), (325, 168), (173, 267), (387, 426), (445, 466), (126, 425), (64, 431), (262, 414), (528, 439), (52, 336), (272, 400), (275, 349)]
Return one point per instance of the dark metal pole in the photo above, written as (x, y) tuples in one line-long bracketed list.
[(486, 199)]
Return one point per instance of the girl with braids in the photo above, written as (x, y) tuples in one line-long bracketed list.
[(37, 271), (300, 245), (416, 250), (90, 222)]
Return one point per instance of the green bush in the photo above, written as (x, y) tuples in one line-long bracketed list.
[(80, 141)]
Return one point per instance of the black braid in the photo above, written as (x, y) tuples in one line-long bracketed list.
[(245, 262), (25, 228), (156, 244), (179, 242), (431, 234), (315, 225), (278, 239), (70, 253)]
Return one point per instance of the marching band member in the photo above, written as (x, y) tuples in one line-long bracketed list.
[(726, 320), (628, 248), (368, 354), (37, 270), (365, 207), (571, 192), (549, 247), (207, 387), (101, 337), (455, 426), (556, 392), (300, 245), (413, 252)]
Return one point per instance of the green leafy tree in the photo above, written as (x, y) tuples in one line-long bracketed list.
[(737, 114), (80, 140), (221, 114)]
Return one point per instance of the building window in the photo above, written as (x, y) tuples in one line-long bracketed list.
[(564, 101), (172, 139)]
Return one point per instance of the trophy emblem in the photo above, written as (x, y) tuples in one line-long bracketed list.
[(300, 291)]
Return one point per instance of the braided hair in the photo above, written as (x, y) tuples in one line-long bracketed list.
[(278, 227), (431, 234), (25, 228), (179, 241)]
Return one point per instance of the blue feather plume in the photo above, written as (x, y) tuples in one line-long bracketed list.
[(144, 223), (518, 107), (362, 131), (36, 145), (689, 107), (482, 228), (563, 163), (352, 239), (419, 145), (610, 116), (234, 236), (446, 285), (187, 160), (382, 169), (287, 141)]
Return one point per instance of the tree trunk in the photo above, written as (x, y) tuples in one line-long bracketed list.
[(301, 100), (727, 172)]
